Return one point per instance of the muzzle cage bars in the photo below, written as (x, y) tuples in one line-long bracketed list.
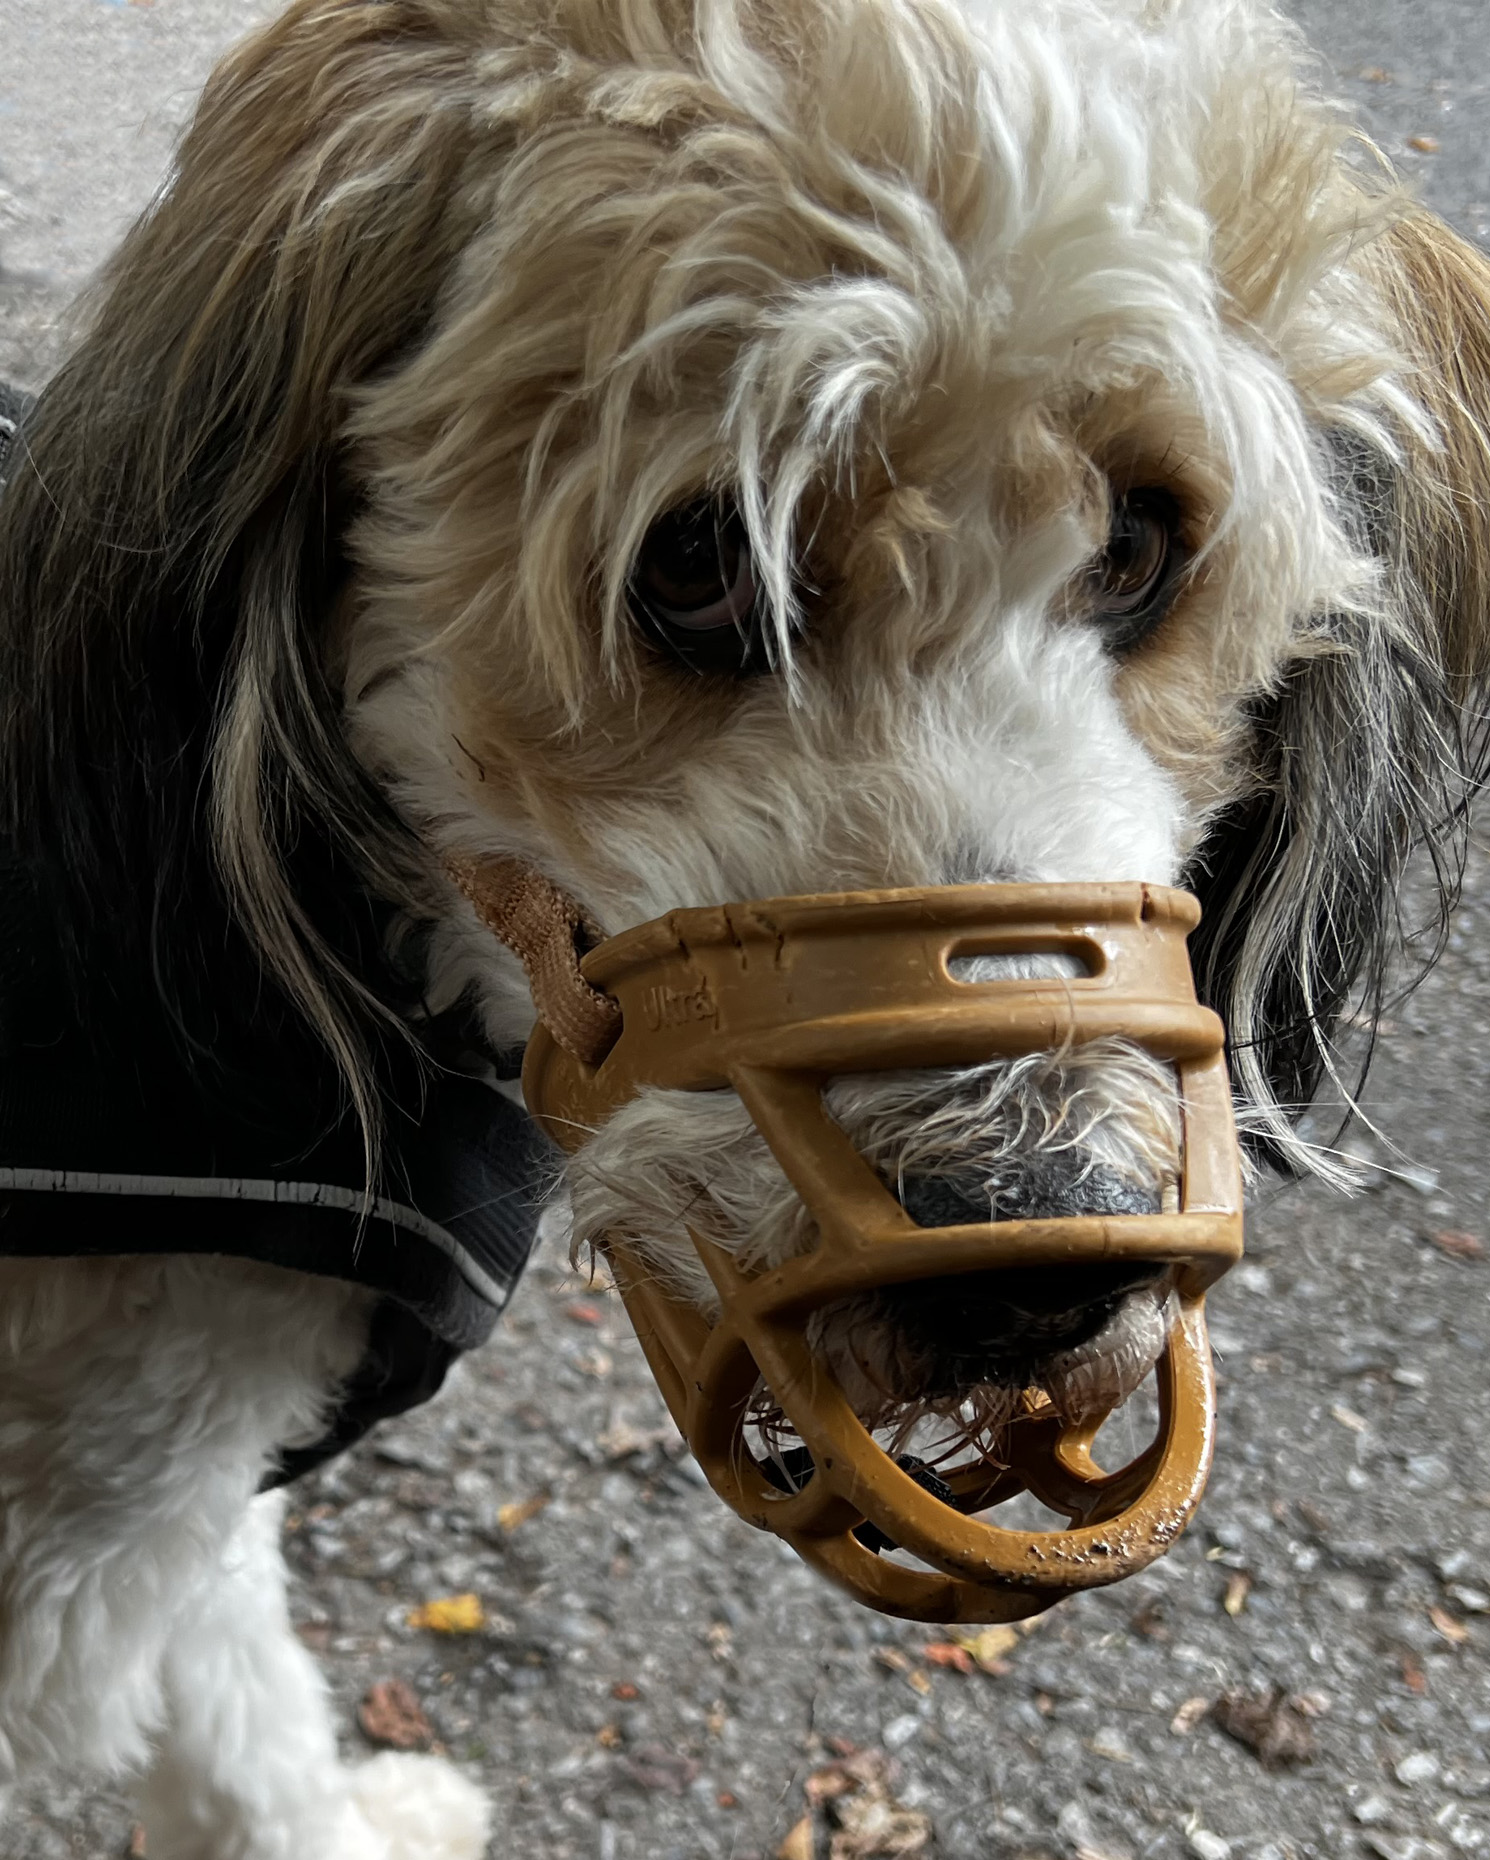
[(774, 999)]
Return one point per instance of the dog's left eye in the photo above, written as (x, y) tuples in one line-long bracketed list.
[(1134, 580), (694, 589)]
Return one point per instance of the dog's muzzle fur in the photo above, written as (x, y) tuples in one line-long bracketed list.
[(1094, 1131)]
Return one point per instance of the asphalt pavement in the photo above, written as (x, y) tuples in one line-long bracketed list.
[(655, 1682)]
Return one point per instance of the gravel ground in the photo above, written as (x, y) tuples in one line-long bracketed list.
[(655, 1682)]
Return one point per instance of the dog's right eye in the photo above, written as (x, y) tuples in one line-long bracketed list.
[(1135, 580), (694, 591)]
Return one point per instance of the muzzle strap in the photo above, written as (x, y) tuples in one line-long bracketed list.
[(546, 930)]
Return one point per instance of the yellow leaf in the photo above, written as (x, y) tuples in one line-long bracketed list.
[(798, 1845), (511, 1516), (451, 1614), (987, 1645)]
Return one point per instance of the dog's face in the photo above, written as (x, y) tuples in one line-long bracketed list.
[(869, 445), (799, 445)]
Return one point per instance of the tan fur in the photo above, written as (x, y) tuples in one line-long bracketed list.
[(1437, 288)]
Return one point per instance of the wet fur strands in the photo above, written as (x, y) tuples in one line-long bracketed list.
[(1097, 440)]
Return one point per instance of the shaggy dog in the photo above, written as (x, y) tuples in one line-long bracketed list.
[(708, 449)]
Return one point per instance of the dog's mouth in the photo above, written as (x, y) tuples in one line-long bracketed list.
[(954, 1361)]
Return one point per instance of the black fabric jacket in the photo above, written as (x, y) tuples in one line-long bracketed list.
[(118, 1145)]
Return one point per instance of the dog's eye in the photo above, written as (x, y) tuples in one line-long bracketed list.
[(694, 589), (1134, 580)]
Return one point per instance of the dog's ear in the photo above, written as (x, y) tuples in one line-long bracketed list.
[(169, 546), (1436, 287), (1373, 747)]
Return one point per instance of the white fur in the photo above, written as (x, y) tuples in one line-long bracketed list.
[(141, 1584)]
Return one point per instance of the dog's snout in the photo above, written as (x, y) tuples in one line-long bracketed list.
[(999, 1326), (1058, 1185)]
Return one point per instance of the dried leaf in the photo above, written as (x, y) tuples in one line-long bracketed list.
[(390, 1714), (874, 1826), (799, 1844), (828, 1783), (989, 1647), (948, 1653), (893, 1659), (1238, 1588), (1458, 1245), (918, 1682), (137, 1843), (609, 1737), (866, 1821), (854, 1770), (1454, 1632), (625, 1691), (1271, 1723), (1149, 1620), (1413, 1676), (450, 1614), (581, 1311), (727, 1798), (1188, 1716), (1377, 74), (512, 1516), (1425, 145)]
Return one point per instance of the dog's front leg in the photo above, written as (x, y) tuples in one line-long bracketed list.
[(247, 1766)]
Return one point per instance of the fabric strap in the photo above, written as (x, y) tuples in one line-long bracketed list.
[(546, 930)]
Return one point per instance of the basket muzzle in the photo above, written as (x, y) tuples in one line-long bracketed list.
[(774, 999)]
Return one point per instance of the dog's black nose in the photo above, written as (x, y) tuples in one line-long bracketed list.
[(1000, 1326)]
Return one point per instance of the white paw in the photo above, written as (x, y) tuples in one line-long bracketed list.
[(421, 1807)]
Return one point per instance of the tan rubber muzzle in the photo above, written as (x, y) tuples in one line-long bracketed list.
[(773, 1000)]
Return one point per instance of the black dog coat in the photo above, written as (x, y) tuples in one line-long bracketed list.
[(108, 1150)]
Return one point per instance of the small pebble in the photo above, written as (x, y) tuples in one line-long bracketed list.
[(1420, 1767), (1207, 1846), (1372, 1811), (1402, 1847), (899, 1731)]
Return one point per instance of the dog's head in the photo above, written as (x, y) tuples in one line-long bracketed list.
[(741, 447)]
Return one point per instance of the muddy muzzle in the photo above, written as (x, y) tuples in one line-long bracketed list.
[(773, 1000)]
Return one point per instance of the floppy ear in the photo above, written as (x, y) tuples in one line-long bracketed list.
[(1373, 749), (169, 549), (1437, 288)]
